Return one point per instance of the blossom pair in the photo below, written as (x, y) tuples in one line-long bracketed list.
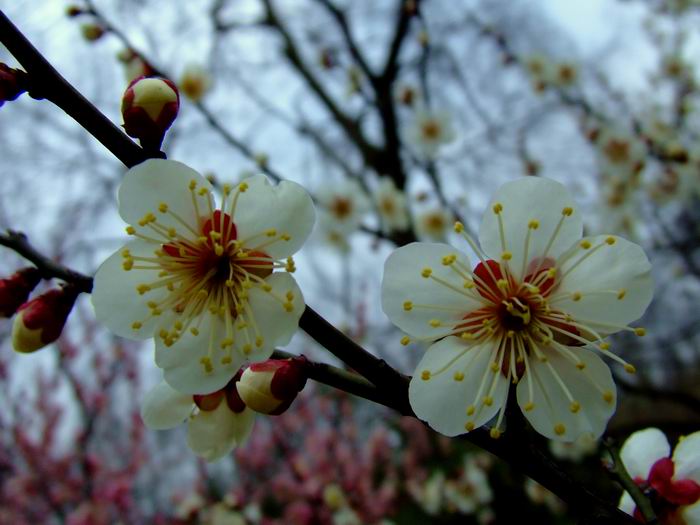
[(535, 311)]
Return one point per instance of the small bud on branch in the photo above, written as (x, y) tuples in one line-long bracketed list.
[(15, 290), (270, 387), (40, 321), (149, 107)]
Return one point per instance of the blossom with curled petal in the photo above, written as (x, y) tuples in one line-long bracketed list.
[(534, 312), (201, 279), (216, 422), (672, 483)]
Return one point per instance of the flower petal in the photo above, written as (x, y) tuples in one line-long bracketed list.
[(430, 299), (274, 323), (686, 458), (286, 208), (627, 504), (614, 283), (641, 450), (457, 373), (524, 200), (164, 407), (182, 361), (213, 434), (115, 298), (244, 426), (153, 182), (342, 206), (554, 415)]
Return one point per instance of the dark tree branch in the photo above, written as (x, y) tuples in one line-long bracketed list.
[(403, 20), (342, 21), (18, 242), (343, 380), (370, 153), (46, 82), (392, 384)]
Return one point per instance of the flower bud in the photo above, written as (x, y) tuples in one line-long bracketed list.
[(271, 386), (15, 290), (40, 321), (12, 83), (149, 107)]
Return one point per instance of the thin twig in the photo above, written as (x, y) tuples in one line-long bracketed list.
[(18, 242)]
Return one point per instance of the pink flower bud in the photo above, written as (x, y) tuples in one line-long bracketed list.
[(15, 290), (149, 107), (40, 321), (12, 83), (271, 386)]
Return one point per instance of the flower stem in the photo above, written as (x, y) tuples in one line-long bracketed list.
[(617, 468)]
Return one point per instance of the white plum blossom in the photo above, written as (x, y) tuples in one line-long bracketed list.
[(433, 225), (471, 490), (428, 131), (346, 516), (201, 279), (430, 495), (540, 495), (620, 153), (534, 312), (342, 205), (546, 72), (566, 74), (676, 182), (216, 422), (222, 514), (619, 208), (673, 483), (189, 506), (195, 82), (391, 206), (539, 68)]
